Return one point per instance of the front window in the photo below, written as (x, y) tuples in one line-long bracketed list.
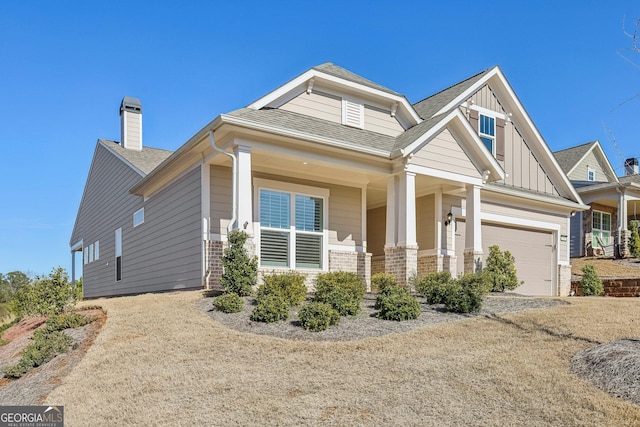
[(488, 132), (291, 229), (601, 228)]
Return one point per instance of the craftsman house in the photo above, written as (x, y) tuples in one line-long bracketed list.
[(331, 171), (614, 201)]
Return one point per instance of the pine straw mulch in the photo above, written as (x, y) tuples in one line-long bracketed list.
[(33, 387)]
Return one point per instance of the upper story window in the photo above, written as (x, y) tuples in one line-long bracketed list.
[(591, 174), (487, 131), (138, 217)]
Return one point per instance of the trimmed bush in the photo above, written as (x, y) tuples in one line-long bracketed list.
[(500, 270), (47, 344), (397, 304), (465, 294), (433, 286), (289, 285), (318, 316), (590, 284), (271, 308), (228, 303), (343, 291), (240, 270), (382, 281)]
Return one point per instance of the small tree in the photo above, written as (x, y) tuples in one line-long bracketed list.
[(500, 270), (48, 295), (240, 270), (590, 284), (634, 240)]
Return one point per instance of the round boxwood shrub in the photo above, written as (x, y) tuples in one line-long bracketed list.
[(465, 294), (380, 282), (434, 286), (228, 303), (289, 285), (590, 284), (397, 304), (270, 308), (318, 316), (342, 290)]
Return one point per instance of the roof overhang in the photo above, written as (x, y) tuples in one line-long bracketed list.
[(596, 148)]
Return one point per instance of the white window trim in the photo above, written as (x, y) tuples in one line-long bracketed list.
[(138, 217), (85, 255), (292, 189), (594, 242), (96, 250), (486, 135), (487, 112), (591, 171), (91, 253), (118, 254)]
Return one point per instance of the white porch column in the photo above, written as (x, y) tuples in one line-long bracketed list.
[(622, 233), (407, 210), (473, 232), (244, 189), (392, 213)]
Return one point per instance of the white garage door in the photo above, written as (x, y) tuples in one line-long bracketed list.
[(532, 249)]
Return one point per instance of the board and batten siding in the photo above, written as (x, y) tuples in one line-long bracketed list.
[(521, 165), (444, 153), (590, 161)]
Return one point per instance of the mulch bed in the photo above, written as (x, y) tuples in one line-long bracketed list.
[(366, 324), (33, 387)]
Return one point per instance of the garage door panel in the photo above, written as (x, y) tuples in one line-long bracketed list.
[(532, 250)]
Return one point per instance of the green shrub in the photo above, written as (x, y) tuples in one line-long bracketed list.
[(634, 240), (465, 294), (4, 327), (318, 316), (433, 286), (67, 320), (289, 285), (397, 304), (47, 344), (240, 270), (343, 291), (228, 303), (590, 284), (271, 308), (47, 295), (382, 281), (500, 270)]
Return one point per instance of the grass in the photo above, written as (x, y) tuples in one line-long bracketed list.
[(159, 360), (607, 267)]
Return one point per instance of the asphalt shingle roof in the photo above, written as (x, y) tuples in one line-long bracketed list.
[(337, 71), (316, 127), (569, 157), (146, 160)]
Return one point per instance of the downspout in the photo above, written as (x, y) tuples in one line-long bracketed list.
[(234, 192), (620, 228)]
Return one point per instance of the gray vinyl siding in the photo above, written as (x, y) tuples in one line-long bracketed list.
[(590, 161), (161, 254), (444, 153)]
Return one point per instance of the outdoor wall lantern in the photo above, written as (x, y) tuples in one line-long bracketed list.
[(449, 219)]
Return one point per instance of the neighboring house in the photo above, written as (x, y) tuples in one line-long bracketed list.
[(613, 201), (328, 172)]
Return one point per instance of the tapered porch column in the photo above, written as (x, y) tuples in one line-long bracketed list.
[(244, 189), (473, 232), (622, 237), (401, 248)]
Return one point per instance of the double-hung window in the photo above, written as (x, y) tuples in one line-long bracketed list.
[(487, 131), (591, 174), (601, 228), (291, 229)]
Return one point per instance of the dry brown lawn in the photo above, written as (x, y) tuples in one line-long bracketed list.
[(160, 360), (607, 267)]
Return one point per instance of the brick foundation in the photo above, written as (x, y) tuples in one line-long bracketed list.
[(402, 262), (564, 280), (615, 287), (430, 264), (472, 261), (377, 264), (215, 251)]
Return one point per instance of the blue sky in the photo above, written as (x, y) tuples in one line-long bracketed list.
[(65, 66)]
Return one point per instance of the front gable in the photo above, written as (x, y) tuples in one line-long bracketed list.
[(593, 167)]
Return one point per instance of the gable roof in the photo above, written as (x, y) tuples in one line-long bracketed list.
[(432, 104), (337, 71), (144, 161), (570, 158)]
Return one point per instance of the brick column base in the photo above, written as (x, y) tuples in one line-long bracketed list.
[(402, 262), (564, 280), (472, 261)]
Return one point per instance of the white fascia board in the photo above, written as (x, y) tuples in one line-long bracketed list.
[(299, 81), (456, 118), (119, 156), (467, 93), (580, 160), (301, 135), (437, 173), (603, 158), (76, 246)]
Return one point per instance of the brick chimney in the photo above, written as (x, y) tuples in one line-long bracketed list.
[(131, 123)]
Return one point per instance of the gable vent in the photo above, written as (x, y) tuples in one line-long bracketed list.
[(352, 113)]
